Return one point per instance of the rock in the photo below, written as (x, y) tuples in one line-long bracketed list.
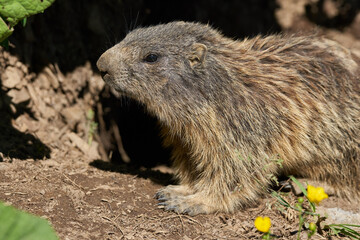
[(12, 60), (24, 123), (5, 166), (339, 216), (289, 12), (52, 78), (11, 77), (96, 84), (47, 112), (42, 81), (90, 151), (19, 96), (163, 169), (73, 115)]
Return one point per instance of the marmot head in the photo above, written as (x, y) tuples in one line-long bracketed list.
[(162, 62)]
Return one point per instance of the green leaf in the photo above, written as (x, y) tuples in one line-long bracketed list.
[(24, 22), (15, 10), (302, 188), (16, 224), (344, 224), (12, 11), (280, 199), (343, 229), (283, 202), (5, 31)]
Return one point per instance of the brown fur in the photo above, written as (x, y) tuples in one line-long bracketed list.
[(229, 109)]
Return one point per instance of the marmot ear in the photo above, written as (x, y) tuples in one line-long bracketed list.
[(197, 54)]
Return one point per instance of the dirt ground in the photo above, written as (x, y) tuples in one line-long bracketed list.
[(48, 168)]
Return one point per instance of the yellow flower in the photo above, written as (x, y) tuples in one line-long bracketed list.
[(263, 224), (316, 194)]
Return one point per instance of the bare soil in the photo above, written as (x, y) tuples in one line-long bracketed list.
[(48, 167)]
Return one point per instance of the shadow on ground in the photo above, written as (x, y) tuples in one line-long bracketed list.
[(154, 175), (13, 143)]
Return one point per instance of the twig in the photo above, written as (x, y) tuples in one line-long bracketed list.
[(62, 132), (115, 224), (119, 143), (182, 222), (193, 220), (72, 182), (185, 216), (168, 217), (100, 114), (102, 150), (20, 193), (102, 130), (33, 95)]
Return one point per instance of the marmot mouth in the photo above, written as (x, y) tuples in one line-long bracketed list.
[(121, 93), (118, 92), (103, 74), (106, 77)]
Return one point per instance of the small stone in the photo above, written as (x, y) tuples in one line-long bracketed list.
[(24, 123), (73, 115), (11, 77), (96, 84), (50, 163), (42, 81), (12, 60), (52, 78), (47, 112), (19, 96), (90, 151), (12, 108)]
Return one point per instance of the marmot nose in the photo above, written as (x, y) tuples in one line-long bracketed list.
[(103, 64)]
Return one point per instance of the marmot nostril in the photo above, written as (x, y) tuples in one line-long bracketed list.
[(102, 64), (103, 74)]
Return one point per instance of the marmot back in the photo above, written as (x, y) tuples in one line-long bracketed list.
[(230, 110)]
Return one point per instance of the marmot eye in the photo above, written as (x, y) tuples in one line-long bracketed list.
[(151, 58)]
